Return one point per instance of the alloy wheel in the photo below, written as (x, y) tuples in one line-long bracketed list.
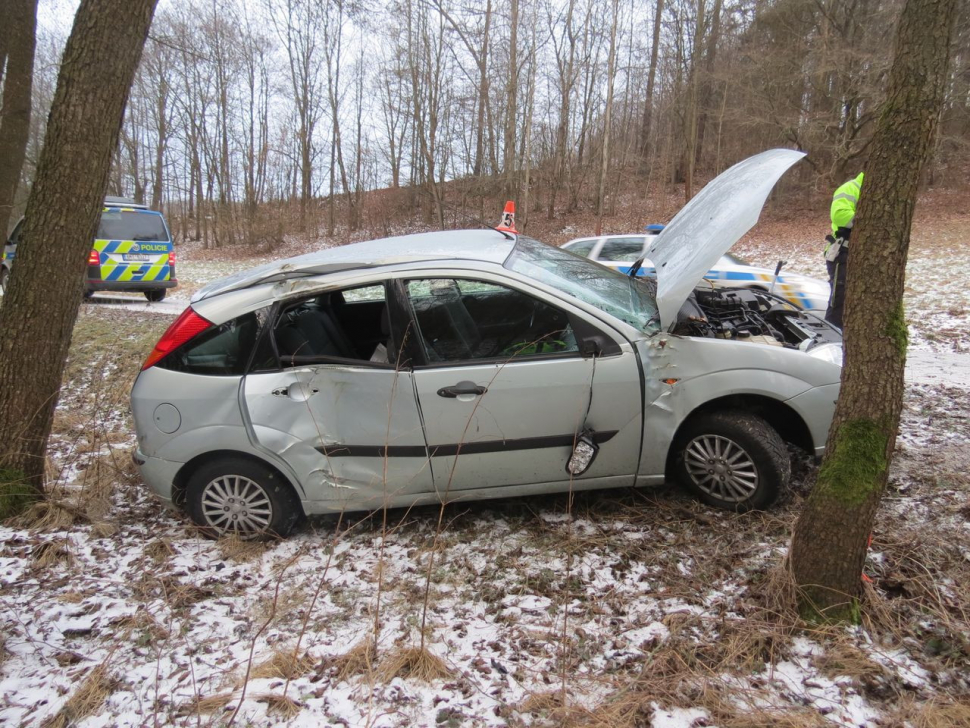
[(236, 504), (721, 468)]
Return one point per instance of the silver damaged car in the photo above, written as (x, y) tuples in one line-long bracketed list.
[(478, 364)]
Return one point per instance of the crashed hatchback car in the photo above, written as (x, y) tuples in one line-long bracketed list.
[(479, 364)]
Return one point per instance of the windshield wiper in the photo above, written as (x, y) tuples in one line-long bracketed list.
[(635, 268)]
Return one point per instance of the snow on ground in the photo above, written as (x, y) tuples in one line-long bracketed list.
[(619, 608)]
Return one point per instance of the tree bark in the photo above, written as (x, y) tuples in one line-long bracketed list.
[(607, 120), (830, 540), (62, 216), (645, 130), (15, 120)]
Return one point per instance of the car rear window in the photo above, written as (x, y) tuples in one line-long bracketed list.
[(131, 226)]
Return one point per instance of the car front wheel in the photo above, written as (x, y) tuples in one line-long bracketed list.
[(732, 460), (241, 498)]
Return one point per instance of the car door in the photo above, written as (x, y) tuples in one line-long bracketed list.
[(337, 406), (502, 406)]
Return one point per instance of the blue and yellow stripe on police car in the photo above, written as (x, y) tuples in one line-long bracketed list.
[(124, 271), (785, 290)]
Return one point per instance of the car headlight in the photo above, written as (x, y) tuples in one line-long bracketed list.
[(831, 353)]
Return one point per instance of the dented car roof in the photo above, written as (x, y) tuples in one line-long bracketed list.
[(489, 246)]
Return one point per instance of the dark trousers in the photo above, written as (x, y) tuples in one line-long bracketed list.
[(836, 268)]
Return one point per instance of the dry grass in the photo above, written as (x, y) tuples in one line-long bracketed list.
[(51, 553), (239, 550), (160, 550), (209, 704), (932, 713), (359, 660), (89, 696), (283, 664), (280, 705), (46, 516), (416, 664)]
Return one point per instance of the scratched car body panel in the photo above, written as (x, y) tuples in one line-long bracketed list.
[(474, 364)]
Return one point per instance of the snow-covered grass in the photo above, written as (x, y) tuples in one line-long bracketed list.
[(618, 608)]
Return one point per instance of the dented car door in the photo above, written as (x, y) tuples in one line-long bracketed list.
[(346, 431)]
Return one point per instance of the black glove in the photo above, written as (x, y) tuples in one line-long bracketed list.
[(843, 232)]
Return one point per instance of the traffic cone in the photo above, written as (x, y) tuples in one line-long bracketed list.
[(508, 219)]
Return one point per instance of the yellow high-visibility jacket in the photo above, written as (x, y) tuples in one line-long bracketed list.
[(844, 202)]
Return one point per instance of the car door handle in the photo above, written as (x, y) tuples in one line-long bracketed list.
[(462, 388)]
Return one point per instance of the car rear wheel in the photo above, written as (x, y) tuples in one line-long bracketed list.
[(241, 498), (155, 296), (732, 460)]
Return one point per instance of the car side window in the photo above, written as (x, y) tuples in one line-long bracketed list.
[(581, 247), (223, 350), (351, 323), (467, 320), (622, 250)]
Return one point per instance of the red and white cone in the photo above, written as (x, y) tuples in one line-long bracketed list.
[(508, 219)]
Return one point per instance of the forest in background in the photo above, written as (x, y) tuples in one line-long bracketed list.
[(248, 121)]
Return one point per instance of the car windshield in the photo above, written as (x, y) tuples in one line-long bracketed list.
[(629, 299), (131, 226)]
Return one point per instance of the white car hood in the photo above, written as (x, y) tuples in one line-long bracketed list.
[(708, 225)]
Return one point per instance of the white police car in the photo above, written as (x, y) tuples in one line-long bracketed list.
[(621, 251)]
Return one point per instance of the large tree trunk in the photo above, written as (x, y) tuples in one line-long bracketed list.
[(830, 540), (39, 311), (21, 20)]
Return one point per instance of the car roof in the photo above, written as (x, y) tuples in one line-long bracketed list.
[(486, 246), (111, 201)]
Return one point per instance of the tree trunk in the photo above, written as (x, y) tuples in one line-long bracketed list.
[(830, 540), (511, 94), (607, 120), (15, 119), (61, 221), (651, 78)]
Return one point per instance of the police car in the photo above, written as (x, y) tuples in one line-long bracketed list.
[(730, 271), (132, 251)]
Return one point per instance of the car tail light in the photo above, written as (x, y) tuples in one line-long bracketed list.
[(94, 257), (187, 326), (171, 257)]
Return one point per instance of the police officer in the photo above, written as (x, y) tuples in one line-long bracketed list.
[(844, 202)]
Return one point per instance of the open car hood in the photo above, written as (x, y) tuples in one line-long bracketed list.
[(708, 225)]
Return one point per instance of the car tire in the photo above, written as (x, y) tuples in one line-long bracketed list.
[(155, 296), (732, 460), (242, 498)]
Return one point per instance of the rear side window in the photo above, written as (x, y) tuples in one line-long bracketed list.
[(622, 250), (120, 225), (222, 350), (582, 247)]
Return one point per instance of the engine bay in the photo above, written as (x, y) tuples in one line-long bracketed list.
[(752, 315)]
